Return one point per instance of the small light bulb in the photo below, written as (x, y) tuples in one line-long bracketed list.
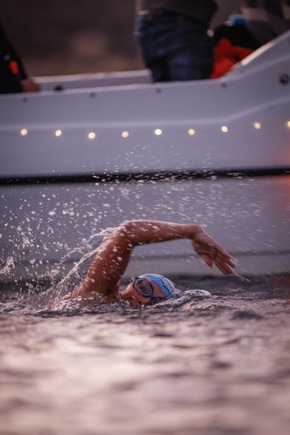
[(24, 132)]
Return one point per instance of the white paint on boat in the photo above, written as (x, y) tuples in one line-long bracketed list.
[(120, 124)]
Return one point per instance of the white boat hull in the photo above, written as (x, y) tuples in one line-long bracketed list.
[(216, 152)]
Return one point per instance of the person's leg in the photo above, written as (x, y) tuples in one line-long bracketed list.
[(191, 55), (175, 47), (149, 33), (159, 70)]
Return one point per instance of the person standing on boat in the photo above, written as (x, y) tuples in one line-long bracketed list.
[(266, 19), (13, 77), (113, 255), (174, 40)]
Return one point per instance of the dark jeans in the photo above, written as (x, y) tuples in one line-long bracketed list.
[(175, 47)]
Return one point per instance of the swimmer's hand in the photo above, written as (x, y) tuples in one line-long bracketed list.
[(212, 253)]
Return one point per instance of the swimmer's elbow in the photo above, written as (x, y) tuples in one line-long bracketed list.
[(127, 229)]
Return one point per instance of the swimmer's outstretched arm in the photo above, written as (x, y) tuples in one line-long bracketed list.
[(112, 259)]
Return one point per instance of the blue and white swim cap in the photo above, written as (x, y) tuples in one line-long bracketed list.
[(164, 283)]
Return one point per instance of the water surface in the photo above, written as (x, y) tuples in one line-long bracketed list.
[(207, 365)]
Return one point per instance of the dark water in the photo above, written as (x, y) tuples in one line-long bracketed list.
[(205, 365)]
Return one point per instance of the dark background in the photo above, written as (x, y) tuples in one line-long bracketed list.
[(77, 36)]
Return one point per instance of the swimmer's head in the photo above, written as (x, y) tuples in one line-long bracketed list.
[(149, 289), (164, 283)]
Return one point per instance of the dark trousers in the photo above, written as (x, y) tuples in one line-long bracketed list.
[(175, 47)]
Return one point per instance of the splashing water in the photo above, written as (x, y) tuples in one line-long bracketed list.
[(45, 299), (8, 266)]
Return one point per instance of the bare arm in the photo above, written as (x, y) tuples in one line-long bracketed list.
[(114, 254), (29, 85)]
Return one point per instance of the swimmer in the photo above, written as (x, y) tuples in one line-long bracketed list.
[(110, 262)]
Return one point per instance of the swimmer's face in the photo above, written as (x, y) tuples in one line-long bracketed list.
[(135, 299)]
